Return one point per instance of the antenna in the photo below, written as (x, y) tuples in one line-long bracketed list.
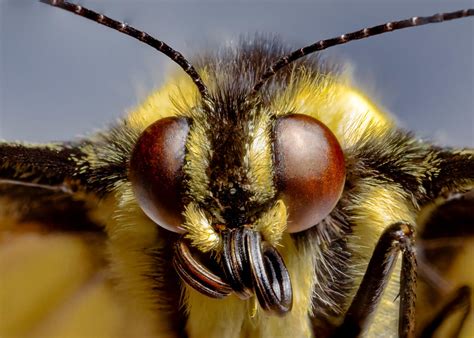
[(358, 35), (137, 34)]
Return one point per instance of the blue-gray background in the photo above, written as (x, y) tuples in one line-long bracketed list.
[(63, 76)]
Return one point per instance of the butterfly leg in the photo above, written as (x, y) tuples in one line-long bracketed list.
[(397, 237)]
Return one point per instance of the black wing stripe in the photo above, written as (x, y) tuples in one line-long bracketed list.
[(49, 165)]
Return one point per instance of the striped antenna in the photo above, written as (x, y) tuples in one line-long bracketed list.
[(357, 35), (134, 33)]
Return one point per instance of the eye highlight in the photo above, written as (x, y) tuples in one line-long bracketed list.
[(309, 169), (156, 171)]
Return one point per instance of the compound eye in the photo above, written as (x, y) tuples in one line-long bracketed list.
[(156, 171), (309, 169)]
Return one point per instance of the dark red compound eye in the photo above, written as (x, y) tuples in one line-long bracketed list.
[(156, 171), (309, 169)]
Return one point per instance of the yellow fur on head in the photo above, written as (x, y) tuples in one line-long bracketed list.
[(258, 159), (198, 152), (199, 229), (272, 224), (336, 103)]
